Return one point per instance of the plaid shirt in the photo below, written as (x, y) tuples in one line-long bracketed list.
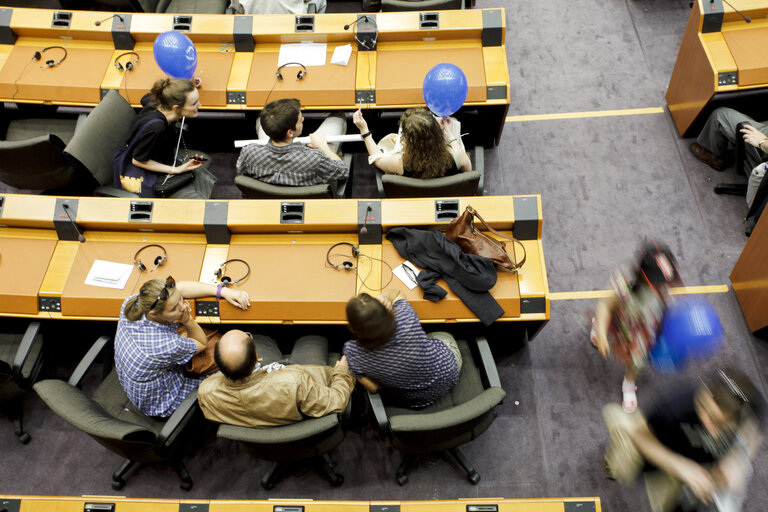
[(294, 164), (148, 359)]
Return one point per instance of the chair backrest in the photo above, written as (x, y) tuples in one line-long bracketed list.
[(462, 184), (420, 5), (37, 163), (95, 140), (193, 6), (30, 127), (256, 189)]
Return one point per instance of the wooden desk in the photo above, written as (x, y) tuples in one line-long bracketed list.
[(24, 258), (749, 277), (720, 62)]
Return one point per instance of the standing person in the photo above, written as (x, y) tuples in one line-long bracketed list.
[(424, 148), (155, 142), (392, 353), (627, 322), (149, 351)]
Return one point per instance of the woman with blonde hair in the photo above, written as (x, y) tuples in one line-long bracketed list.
[(423, 148)]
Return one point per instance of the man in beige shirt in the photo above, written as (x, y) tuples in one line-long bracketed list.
[(250, 393)]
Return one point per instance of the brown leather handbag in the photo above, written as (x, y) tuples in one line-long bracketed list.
[(472, 241), (202, 363)]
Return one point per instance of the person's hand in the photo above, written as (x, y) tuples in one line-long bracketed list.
[(189, 165), (186, 316), (603, 346), (238, 298), (342, 362), (388, 298), (317, 141), (731, 472), (359, 121), (753, 136), (698, 480), (197, 81)]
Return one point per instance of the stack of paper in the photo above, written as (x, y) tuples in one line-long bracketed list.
[(109, 274)]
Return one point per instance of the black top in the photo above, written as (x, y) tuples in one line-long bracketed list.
[(158, 142)]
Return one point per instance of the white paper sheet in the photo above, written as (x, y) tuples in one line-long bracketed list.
[(350, 137), (405, 276), (108, 274), (309, 54), (341, 55)]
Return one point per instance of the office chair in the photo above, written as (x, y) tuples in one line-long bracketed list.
[(21, 358), (181, 6), (461, 184), (420, 5), (114, 422), (460, 416), (252, 188)]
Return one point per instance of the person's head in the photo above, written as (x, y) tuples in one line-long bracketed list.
[(282, 119), (725, 399), (159, 300), (656, 267), (235, 354), (370, 322), (425, 151), (176, 95)]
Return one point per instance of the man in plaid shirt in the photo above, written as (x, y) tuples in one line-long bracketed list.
[(280, 161)]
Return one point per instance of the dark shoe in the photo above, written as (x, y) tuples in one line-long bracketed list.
[(708, 158)]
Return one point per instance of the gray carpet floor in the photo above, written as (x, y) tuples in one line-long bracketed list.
[(606, 183)]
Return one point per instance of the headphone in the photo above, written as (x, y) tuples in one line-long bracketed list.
[(226, 280), (301, 74), (128, 65), (159, 261), (345, 265), (50, 63)]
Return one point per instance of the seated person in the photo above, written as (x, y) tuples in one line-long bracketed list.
[(422, 149), (149, 351), (392, 353), (703, 437), (250, 393), (719, 132), (280, 161), (276, 6)]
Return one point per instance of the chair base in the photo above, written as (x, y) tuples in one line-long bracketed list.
[(118, 482), (736, 189), (408, 459), (16, 414), (280, 469)]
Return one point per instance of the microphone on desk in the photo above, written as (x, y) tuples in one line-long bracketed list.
[(80, 236), (746, 18), (98, 23), (359, 18), (364, 229)]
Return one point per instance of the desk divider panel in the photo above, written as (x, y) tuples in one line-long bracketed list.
[(28, 211), (320, 215), (125, 214)]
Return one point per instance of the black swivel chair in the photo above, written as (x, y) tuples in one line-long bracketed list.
[(460, 416), (252, 188), (115, 423), (181, 6), (21, 358)]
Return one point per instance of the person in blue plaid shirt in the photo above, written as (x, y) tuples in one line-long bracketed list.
[(150, 353)]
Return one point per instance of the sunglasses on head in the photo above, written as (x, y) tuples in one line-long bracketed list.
[(170, 284)]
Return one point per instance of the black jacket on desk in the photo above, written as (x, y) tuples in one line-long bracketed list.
[(469, 276)]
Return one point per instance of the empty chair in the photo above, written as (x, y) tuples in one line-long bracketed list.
[(460, 416), (115, 423), (21, 359)]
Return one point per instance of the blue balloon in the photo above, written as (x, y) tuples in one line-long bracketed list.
[(663, 359), (445, 89), (175, 54), (690, 329)]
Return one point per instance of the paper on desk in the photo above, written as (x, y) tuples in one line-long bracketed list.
[(308, 54), (341, 55), (109, 274), (407, 277)]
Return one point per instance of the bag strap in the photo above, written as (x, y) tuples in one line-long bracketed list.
[(489, 228)]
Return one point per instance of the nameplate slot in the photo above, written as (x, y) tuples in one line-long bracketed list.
[(446, 209), (291, 213), (482, 508), (141, 211), (11, 505), (61, 19), (305, 24), (291, 508), (99, 507), (429, 20), (182, 23)]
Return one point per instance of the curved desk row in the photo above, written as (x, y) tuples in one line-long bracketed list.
[(43, 267)]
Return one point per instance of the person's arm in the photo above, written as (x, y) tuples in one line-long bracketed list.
[(755, 137), (196, 289), (317, 401), (603, 313), (318, 141), (194, 331), (732, 471), (392, 164), (684, 469), (453, 138), (389, 297), (154, 166)]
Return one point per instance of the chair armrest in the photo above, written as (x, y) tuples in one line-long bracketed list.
[(87, 361), (468, 411), (379, 413), (25, 348), (342, 184), (488, 363), (177, 421), (379, 183), (480, 166), (108, 191)]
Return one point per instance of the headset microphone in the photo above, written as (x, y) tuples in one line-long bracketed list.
[(364, 229), (80, 236)]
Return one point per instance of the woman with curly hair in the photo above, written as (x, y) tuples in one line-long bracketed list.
[(423, 148)]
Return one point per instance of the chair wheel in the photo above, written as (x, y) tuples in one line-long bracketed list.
[(186, 485), (268, 486), (402, 479), (118, 484), (24, 438), (337, 480), (473, 477)]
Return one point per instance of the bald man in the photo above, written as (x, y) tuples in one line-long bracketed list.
[(254, 389)]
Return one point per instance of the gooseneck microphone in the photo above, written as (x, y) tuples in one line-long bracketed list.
[(360, 18), (746, 18), (364, 229), (98, 23), (80, 236)]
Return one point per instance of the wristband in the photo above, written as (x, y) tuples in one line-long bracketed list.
[(218, 291), (363, 136), (760, 144)]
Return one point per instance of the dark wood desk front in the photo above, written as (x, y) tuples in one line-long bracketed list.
[(749, 277)]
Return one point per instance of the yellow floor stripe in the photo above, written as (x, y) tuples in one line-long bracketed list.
[(598, 294), (581, 115)]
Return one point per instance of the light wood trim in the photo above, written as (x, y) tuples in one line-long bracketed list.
[(319, 215), (44, 234), (290, 238), (98, 213), (145, 238), (496, 68), (58, 270), (369, 270), (365, 78), (241, 70), (25, 210)]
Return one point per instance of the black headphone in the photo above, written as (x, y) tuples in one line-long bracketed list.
[(226, 280), (301, 74), (345, 265), (159, 261), (50, 63), (128, 65)]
